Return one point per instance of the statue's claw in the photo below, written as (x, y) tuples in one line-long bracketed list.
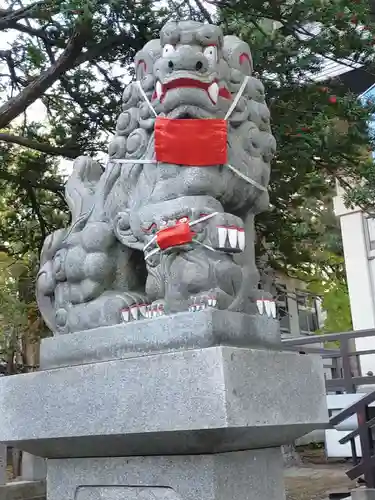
[(199, 303), (134, 312), (135, 307), (156, 309)]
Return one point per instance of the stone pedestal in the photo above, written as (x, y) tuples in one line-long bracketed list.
[(363, 494), (33, 468), (164, 421), (242, 475)]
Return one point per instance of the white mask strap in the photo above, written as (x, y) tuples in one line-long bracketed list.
[(237, 98), (129, 161), (143, 93), (246, 178)]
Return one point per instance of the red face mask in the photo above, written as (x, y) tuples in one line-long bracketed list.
[(191, 142), (180, 234)]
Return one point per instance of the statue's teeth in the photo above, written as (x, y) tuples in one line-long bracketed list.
[(134, 312), (158, 89), (268, 307), (125, 315), (222, 232), (232, 236), (260, 306), (213, 92), (143, 310), (273, 309), (241, 239)]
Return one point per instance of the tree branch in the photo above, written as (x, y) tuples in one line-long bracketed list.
[(68, 59), (7, 56), (39, 33), (103, 47), (9, 16), (77, 98), (204, 12), (43, 147), (115, 84), (38, 215)]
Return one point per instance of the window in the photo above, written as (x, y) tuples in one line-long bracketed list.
[(282, 309), (307, 312), (371, 232)]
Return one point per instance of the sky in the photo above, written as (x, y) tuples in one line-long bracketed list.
[(370, 94)]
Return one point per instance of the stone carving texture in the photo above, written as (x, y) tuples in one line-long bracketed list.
[(107, 266), (125, 493)]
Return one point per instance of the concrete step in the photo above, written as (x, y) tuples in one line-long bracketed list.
[(23, 490)]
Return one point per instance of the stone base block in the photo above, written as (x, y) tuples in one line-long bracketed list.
[(33, 468), (210, 400), (197, 401), (363, 494), (198, 330), (247, 475)]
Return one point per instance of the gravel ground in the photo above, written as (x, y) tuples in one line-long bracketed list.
[(316, 482)]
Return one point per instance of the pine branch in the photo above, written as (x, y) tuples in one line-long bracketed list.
[(81, 102), (30, 31), (113, 83), (17, 105), (105, 45), (43, 147), (204, 11), (38, 215), (9, 16)]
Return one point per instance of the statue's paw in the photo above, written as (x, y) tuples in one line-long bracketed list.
[(213, 299), (265, 303), (105, 310), (201, 302), (226, 233), (135, 308), (156, 309)]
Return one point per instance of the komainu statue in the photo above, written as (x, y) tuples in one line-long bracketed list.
[(159, 230)]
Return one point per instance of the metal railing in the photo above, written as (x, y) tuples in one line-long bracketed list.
[(346, 370), (346, 377), (366, 466)]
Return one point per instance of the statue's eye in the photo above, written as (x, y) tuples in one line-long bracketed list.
[(210, 53), (168, 50)]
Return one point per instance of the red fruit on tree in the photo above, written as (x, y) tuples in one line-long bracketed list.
[(332, 99)]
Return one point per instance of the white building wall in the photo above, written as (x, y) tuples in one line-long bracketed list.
[(360, 272)]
